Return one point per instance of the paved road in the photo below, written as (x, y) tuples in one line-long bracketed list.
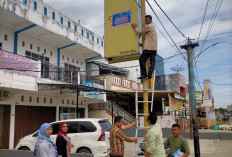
[(203, 135)]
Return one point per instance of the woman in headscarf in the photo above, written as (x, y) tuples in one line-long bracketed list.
[(44, 147), (63, 141)]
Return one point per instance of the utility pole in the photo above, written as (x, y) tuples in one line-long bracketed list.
[(189, 47)]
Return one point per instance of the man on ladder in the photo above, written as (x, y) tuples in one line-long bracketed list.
[(150, 47)]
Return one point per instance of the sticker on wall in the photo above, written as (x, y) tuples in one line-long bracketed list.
[(122, 18)]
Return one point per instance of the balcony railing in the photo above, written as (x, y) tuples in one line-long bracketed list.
[(32, 67), (125, 83)]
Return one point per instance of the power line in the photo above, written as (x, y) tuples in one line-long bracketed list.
[(202, 21), (170, 20), (205, 50)]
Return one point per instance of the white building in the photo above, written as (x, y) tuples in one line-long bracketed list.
[(40, 47)]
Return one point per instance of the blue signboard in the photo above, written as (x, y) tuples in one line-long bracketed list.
[(122, 18)]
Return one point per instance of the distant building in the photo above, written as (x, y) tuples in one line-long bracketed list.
[(229, 108)]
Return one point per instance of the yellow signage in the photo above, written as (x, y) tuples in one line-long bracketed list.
[(175, 105), (121, 41)]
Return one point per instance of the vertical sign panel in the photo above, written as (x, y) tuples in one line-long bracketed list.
[(121, 41), (207, 89)]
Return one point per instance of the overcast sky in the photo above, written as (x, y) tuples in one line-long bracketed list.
[(214, 63)]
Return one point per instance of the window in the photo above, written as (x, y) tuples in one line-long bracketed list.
[(68, 102), (72, 102), (5, 37), (61, 20), (30, 98), (38, 49), (45, 51), (23, 44), (105, 125), (31, 46), (50, 100), (45, 100), (35, 5), (73, 127), (75, 28), (51, 53), (69, 24), (22, 98), (85, 126), (45, 11), (81, 63), (72, 60), (37, 99), (68, 59), (92, 38), (25, 2), (82, 32), (87, 35), (62, 101), (77, 61), (97, 41), (63, 57), (102, 43), (0, 46), (53, 16)]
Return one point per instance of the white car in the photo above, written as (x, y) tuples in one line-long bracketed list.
[(88, 135)]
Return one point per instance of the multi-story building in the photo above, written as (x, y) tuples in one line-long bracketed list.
[(42, 56)]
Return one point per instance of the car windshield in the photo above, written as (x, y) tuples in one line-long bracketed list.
[(105, 125)]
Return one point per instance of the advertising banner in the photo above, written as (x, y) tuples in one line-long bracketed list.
[(207, 89), (18, 63), (198, 97), (121, 41), (64, 116), (175, 105), (93, 94)]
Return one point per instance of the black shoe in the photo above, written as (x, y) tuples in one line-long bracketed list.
[(141, 77)]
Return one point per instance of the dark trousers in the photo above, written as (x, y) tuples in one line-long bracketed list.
[(143, 59)]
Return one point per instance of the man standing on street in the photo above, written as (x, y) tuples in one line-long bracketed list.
[(150, 46), (154, 138), (117, 138), (176, 141)]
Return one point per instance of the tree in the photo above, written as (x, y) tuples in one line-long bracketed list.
[(222, 110)]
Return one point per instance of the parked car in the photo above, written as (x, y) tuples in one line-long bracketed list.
[(88, 135)]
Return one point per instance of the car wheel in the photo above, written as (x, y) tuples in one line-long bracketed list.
[(24, 148), (84, 150)]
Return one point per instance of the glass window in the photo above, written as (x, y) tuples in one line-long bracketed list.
[(25, 2), (85, 126), (73, 127), (22, 98), (53, 15), (82, 32), (61, 20), (105, 125), (38, 49), (69, 24), (51, 53), (45, 100), (75, 28), (45, 11), (72, 60), (5, 37), (68, 102), (50, 100), (45, 51), (31, 46), (87, 35), (92, 38), (63, 57), (37, 99), (0, 45), (62, 101), (97, 40), (55, 128), (23, 44), (30, 98), (102, 43), (35, 5), (77, 61)]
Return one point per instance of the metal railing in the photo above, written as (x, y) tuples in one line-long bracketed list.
[(114, 108)]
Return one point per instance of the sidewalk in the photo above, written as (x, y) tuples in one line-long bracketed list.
[(208, 148)]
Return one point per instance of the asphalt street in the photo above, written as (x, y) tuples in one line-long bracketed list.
[(202, 135)]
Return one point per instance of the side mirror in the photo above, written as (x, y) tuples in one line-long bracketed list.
[(35, 134)]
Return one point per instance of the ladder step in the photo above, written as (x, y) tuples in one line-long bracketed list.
[(145, 101), (142, 114), (144, 89)]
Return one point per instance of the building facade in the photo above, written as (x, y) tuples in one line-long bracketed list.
[(41, 50)]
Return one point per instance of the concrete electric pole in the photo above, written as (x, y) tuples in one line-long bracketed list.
[(189, 47)]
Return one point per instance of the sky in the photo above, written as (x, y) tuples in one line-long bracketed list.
[(214, 63)]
